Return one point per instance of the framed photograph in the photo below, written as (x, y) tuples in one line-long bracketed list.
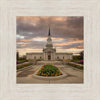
[(49, 50)]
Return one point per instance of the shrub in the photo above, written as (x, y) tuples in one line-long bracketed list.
[(81, 62)]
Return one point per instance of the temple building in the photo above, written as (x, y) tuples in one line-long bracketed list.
[(49, 52)]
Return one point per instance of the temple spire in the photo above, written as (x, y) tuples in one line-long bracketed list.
[(49, 30)]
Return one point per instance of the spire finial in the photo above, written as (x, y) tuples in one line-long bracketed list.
[(49, 25)]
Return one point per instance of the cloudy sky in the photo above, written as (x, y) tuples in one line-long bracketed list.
[(66, 32)]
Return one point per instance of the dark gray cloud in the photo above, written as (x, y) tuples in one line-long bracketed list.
[(31, 44), (61, 27)]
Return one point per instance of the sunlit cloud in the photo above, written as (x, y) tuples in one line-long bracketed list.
[(67, 43), (66, 32), (39, 39), (19, 36)]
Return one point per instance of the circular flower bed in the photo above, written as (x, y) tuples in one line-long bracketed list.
[(49, 70)]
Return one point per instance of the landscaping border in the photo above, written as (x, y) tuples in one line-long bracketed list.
[(50, 77)]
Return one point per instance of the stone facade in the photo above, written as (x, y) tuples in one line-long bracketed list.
[(49, 53)]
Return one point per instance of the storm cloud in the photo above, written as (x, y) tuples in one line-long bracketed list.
[(66, 32)]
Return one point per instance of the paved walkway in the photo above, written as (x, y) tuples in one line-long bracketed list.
[(25, 75)]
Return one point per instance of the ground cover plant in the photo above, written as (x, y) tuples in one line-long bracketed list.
[(49, 70)]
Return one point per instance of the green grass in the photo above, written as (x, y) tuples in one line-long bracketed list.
[(22, 66), (21, 60), (79, 67), (49, 70)]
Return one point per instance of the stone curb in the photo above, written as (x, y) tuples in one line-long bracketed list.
[(49, 78)]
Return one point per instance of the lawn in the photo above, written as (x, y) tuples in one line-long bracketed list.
[(79, 67), (22, 66), (49, 70), (21, 61)]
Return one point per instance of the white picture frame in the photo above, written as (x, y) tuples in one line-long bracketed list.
[(9, 89)]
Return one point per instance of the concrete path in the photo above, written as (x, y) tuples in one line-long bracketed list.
[(26, 75)]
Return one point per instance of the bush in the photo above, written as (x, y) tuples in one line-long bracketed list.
[(49, 70), (81, 62)]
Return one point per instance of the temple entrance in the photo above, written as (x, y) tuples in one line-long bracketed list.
[(49, 57)]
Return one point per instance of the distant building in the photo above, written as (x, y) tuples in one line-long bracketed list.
[(49, 52)]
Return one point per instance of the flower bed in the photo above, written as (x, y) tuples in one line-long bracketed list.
[(49, 70)]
